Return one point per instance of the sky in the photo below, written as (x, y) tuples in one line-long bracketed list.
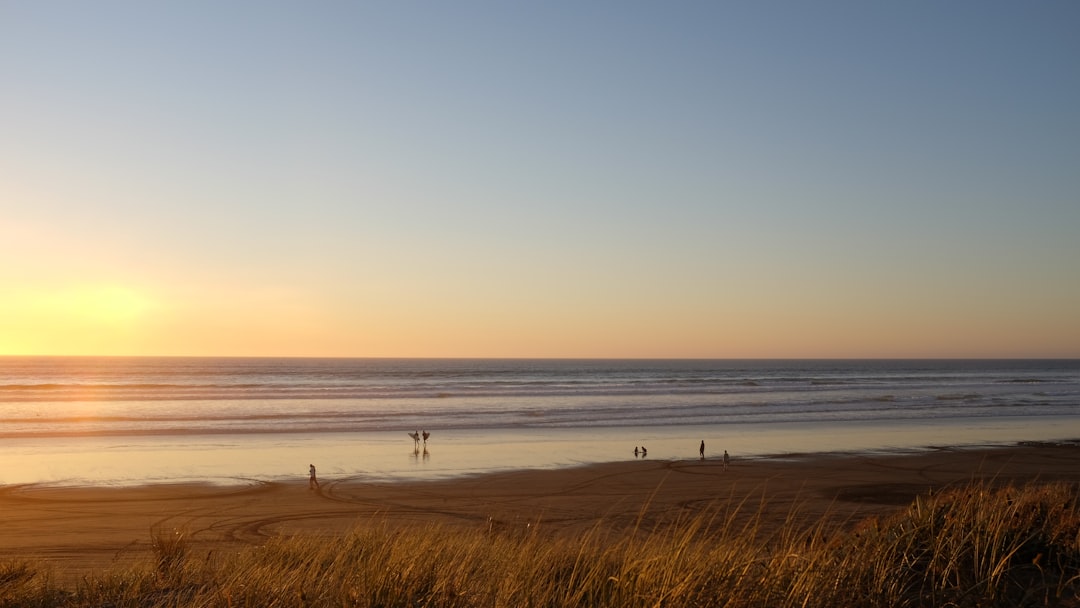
[(550, 179)]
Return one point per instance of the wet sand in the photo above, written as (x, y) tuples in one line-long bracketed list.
[(75, 531)]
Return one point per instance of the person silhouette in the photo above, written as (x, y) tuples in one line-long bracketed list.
[(701, 450), (313, 483), (726, 459)]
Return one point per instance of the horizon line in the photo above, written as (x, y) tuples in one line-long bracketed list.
[(549, 358)]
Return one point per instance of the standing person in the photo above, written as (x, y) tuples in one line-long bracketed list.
[(726, 459), (701, 450), (313, 484)]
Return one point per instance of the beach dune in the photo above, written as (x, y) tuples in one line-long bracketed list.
[(77, 531)]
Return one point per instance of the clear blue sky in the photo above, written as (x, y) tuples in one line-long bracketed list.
[(555, 179)]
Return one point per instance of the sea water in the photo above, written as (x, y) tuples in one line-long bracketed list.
[(115, 420)]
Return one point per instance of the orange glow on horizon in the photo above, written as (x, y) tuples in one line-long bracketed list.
[(115, 319)]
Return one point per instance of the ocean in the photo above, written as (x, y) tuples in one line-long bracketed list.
[(116, 420)]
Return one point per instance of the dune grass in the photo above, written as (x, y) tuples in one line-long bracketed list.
[(972, 546)]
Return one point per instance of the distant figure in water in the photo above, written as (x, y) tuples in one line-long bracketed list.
[(701, 450), (644, 452), (635, 452), (726, 459), (313, 484), (416, 438), (426, 435)]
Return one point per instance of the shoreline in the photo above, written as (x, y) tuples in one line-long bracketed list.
[(223, 459), (80, 530)]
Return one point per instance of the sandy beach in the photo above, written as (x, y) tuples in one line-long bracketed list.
[(83, 530)]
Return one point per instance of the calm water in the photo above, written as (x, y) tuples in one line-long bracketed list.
[(123, 420)]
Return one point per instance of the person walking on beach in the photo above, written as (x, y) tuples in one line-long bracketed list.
[(726, 459), (313, 483), (701, 450)]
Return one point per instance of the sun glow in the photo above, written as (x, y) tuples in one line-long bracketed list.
[(104, 304), (75, 319)]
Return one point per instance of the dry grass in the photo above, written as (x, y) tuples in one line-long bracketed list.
[(976, 546)]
